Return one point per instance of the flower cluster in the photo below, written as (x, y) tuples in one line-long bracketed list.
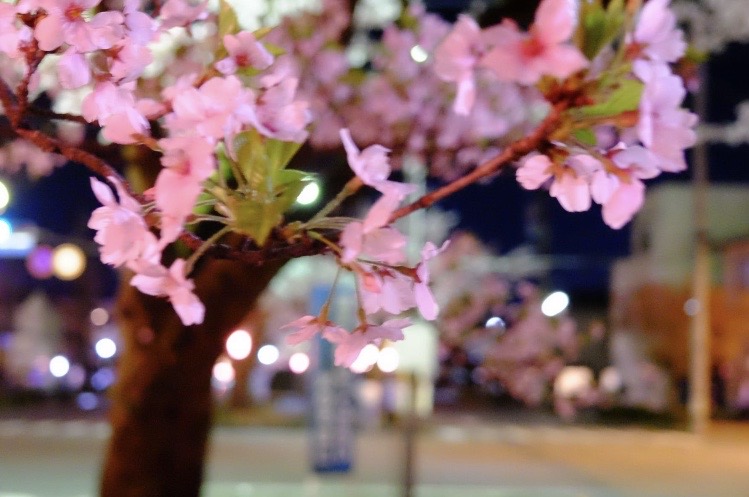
[(625, 132), (225, 109)]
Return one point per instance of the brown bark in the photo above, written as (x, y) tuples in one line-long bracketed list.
[(161, 406)]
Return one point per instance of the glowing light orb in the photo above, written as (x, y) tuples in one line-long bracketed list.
[(4, 197), (388, 360), (268, 354), (366, 359), (239, 345), (39, 262), (59, 366), (418, 54), (309, 194), (573, 381), (99, 316), (299, 363), (223, 372), (68, 261), (6, 230), (555, 303), (105, 348)]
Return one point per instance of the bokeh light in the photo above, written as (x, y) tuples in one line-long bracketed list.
[(268, 354), (223, 372), (105, 348), (39, 262), (309, 194), (4, 197), (68, 261), (555, 303), (388, 360), (573, 381), (366, 359), (6, 230), (299, 362), (59, 366), (99, 316), (239, 345)]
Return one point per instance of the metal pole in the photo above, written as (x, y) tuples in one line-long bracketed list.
[(700, 364)]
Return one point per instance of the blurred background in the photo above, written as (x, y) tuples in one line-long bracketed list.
[(560, 364)]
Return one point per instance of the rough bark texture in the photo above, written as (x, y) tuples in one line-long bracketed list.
[(161, 406)]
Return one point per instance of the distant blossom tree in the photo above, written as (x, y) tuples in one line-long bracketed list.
[(585, 103)]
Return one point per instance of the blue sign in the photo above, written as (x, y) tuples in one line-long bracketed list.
[(332, 400)]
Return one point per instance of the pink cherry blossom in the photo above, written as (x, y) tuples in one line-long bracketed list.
[(11, 34), (524, 58), (658, 34), (384, 289), (65, 23), (350, 345), (425, 300), (172, 283), (456, 58), (278, 114), (122, 232), (114, 107), (244, 51), (664, 127), (623, 203), (308, 327), (182, 12), (386, 245), (73, 70), (534, 171)]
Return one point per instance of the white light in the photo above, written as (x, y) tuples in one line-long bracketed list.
[(299, 363), (495, 322), (59, 366), (388, 360), (268, 354), (309, 194), (6, 230), (223, 372), (68, 261), (4, 196), (555, 303), (418, 54), (366, 359), (573, 381), (239, 345), (99, 316), (105, 348)]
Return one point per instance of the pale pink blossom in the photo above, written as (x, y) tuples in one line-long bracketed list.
[(141, 27), (11, 34), (456, 58), (624, 203), (386, 244), (663, 126), (182, 12), (121, 231), (245, 51), (308, 327), (215, 110), (350, 345), (129, 61), (572, 192), (384, 289), (65, 23), (425, 300), (534, 171), (172, 283), (73, 70), (524, 58), (114, 107), (278, 114), (657, 33)]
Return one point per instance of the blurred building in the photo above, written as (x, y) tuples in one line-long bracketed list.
[(651, 289)]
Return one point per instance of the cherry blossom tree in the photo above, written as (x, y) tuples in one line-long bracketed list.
[(585, 102)]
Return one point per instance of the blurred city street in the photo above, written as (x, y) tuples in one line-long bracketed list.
[(460, 456)]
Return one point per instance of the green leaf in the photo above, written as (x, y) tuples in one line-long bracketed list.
[(585, 136), (600, 27), (253, 161), (255, 216), (280, 152), (228, 24), (624, 98), (289, 184)]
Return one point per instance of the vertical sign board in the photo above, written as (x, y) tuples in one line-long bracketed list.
[(332, 396)]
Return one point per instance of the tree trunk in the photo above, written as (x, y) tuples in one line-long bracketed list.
[(161, 405)]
